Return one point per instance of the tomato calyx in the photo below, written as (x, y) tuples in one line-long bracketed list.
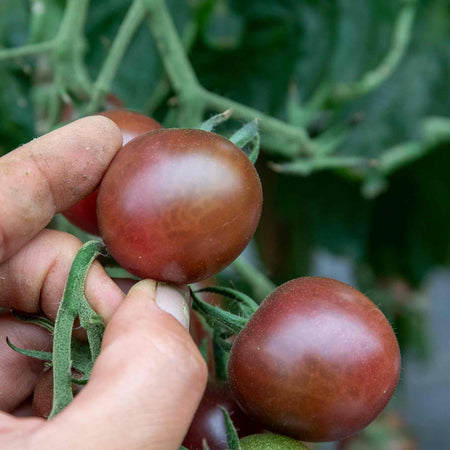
[(247, 137), (219, 318)]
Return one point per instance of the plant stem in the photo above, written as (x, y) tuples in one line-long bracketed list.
[(261, 285), (308, 165), (178, 67), (27, 50), (296, 140), (127, 30), (371, 80), (67, 312)]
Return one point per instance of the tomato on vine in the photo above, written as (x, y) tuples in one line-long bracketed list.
[(317, 361), (178, 205), (208, 424), (131, 124)]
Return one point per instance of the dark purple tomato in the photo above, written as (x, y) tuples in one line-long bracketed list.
[(318, 361), (125, 284), (68, 112), (43, 393), (178, 205), (208, 423), (84, 214), (131, 124)]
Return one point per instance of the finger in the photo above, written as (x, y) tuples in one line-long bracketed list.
[(17, 432), (149, 378), (50, 174), (34, 278), (19, 373)]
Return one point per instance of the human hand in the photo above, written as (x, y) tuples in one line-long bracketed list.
[(149, 377)]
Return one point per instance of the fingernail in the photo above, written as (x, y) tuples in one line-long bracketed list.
[(146, 287), (175, 300)]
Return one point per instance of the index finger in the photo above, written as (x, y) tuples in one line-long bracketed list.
[(50, 174)]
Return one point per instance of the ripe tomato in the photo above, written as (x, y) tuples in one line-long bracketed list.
[(318, 361), (178, 205), (43, 393), (208, 423), (131, 124), (84, 214), (125, 284)]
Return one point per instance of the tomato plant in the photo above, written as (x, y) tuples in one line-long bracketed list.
[(178, 205), (131, 124), (208, 424), (318, 361)]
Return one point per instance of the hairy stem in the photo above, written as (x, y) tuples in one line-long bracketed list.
[(127, 30), (27, 50), (371, 80), (67, 312)]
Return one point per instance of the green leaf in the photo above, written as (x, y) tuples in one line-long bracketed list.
[(44, 356), (216, 316)]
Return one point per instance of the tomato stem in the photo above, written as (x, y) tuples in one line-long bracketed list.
[(73, 303), (248, 135), (216, 316)]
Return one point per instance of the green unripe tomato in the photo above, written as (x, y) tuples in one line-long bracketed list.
[(270, 442)]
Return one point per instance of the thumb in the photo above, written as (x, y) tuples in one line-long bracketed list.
[(145, 385)]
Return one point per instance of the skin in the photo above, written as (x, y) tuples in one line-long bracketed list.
[(185, 231), (318, 361), (149, 376), (209, 424), (131, 124)]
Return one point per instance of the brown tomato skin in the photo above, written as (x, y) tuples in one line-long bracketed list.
[(208, 423), (131, 124), (178, 205), (318, 361), (43, 393)]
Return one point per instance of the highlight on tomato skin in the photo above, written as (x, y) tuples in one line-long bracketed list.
[(131, 124), (208, 423), (318, 361), (178, 205)]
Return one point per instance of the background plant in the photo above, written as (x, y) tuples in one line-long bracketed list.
[(352, 100)]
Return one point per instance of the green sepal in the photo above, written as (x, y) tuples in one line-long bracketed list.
[(221, 352), (232, 436), (216, 316), (203, 348), (42, 321), (246, 135), (81, 381), (211, 123), (233, 294), (44, 356)]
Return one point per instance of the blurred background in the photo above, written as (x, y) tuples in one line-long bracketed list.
[(368, 82)]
